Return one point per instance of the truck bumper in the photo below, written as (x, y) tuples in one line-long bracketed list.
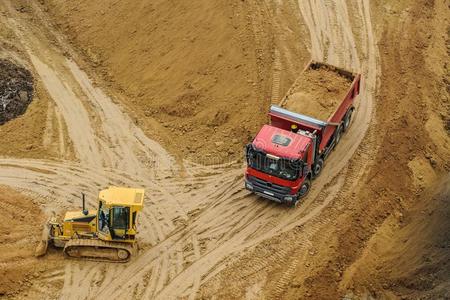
[(269, 194)]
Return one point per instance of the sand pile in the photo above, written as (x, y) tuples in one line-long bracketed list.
[(318, 93)]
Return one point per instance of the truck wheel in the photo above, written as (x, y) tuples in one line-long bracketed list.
[(347, 120), (318, 167), (304, 189)]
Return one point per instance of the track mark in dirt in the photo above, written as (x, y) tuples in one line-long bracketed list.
[(291, 264), (276, 78), (196, 277), (79, 124), (127, 140), (61, 139), (48, 133)]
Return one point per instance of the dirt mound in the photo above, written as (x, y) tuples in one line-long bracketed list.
[(317, 93), (16, 90), (179, 66), (409, 253), (184, 105), (20, 228)]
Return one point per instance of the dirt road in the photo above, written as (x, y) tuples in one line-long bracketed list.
[(199, 224)]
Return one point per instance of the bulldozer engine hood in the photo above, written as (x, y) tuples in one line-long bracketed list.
[(78, 216)]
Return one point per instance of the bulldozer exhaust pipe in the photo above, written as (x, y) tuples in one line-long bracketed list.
[(85, 212)]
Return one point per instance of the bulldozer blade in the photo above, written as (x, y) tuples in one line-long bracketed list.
[(41, 248)]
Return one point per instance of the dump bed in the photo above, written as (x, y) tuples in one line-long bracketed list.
[(319, 91), (318, 101)]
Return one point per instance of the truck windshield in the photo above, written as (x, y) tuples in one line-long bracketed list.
[(282, 168)]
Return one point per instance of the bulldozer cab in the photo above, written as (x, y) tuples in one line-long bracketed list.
[(117, 213)]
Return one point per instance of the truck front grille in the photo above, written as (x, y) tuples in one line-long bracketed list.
[(269, 186)]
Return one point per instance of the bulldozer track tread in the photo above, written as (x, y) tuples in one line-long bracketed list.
[(97, 245)]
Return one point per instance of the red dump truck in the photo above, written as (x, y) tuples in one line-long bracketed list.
[(287, 154)]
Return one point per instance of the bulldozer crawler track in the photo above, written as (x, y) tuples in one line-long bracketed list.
[(98, 250)]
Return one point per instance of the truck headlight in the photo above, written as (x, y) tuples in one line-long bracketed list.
[(249, 186), (288, 198)]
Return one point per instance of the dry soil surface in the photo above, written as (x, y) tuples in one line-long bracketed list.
[(20, 227), (40, 131), (193, 71), (117, 74)]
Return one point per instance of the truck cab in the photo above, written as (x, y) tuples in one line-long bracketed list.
[(279, 163)]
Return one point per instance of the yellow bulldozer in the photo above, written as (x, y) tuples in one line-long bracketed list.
[(105, 234)]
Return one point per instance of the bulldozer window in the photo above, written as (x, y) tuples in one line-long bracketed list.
[(133, 224), (103, 219), (121, 216)]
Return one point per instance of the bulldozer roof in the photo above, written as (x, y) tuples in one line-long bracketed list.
[(117, 196)]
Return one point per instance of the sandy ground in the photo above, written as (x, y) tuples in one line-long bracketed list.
[(201, 233), (408, 255), (20, 227), (316, 260), (198, 68), (40, 132), (317, 93)]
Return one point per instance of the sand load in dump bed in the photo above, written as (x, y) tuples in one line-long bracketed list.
[(318, 91)]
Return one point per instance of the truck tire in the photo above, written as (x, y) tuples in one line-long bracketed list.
[(347, 120), (317, 169), (304, 189)]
